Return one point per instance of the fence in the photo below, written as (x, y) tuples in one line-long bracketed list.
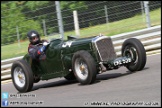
[(150, 37), (94, 17)]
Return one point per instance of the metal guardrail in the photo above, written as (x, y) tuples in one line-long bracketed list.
[(150, 37)]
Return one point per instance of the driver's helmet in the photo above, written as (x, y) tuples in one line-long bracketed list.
[(33, 37)]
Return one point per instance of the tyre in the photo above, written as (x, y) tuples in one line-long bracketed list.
[(22, 76), (70, 76), (134, 48), (84, 67)]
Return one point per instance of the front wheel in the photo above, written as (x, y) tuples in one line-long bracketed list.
[(134, 48), (22, 76), (84, 67)]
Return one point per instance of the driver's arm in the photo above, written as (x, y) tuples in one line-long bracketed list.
[(34, 52)]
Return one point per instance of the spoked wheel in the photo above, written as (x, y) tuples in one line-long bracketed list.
[(22, 76), (134, 49), (84, 67), (81, 69), (19, 77)]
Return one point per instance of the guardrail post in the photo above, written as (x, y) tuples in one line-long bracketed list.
[(142, 11), (76, 23), (148, 22), (59, 17), (106, 14)]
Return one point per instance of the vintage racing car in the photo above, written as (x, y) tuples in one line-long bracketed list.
[(77, 58)]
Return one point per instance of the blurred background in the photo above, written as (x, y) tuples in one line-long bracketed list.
[(94, 17)]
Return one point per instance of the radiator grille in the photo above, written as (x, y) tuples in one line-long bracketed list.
[(106, 49)]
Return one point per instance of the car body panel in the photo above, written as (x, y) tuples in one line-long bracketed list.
[(58, 62)]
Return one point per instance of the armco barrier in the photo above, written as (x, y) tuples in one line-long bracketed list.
[(150, 37)]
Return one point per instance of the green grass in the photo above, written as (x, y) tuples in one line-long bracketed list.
[(130, 24)]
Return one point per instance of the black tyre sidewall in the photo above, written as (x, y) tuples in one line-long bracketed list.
[(140, 51), (28, 75), (88, 59)]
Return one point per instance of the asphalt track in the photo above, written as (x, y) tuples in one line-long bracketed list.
[(112, 88)]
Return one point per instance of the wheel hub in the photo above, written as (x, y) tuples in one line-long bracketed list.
[(82, 68), (19, 76), (131, 52)]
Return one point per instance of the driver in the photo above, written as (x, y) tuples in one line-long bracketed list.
[(36, 48)]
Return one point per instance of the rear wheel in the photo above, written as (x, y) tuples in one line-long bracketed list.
[(22, 76), (84, 67), (134, 48)]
